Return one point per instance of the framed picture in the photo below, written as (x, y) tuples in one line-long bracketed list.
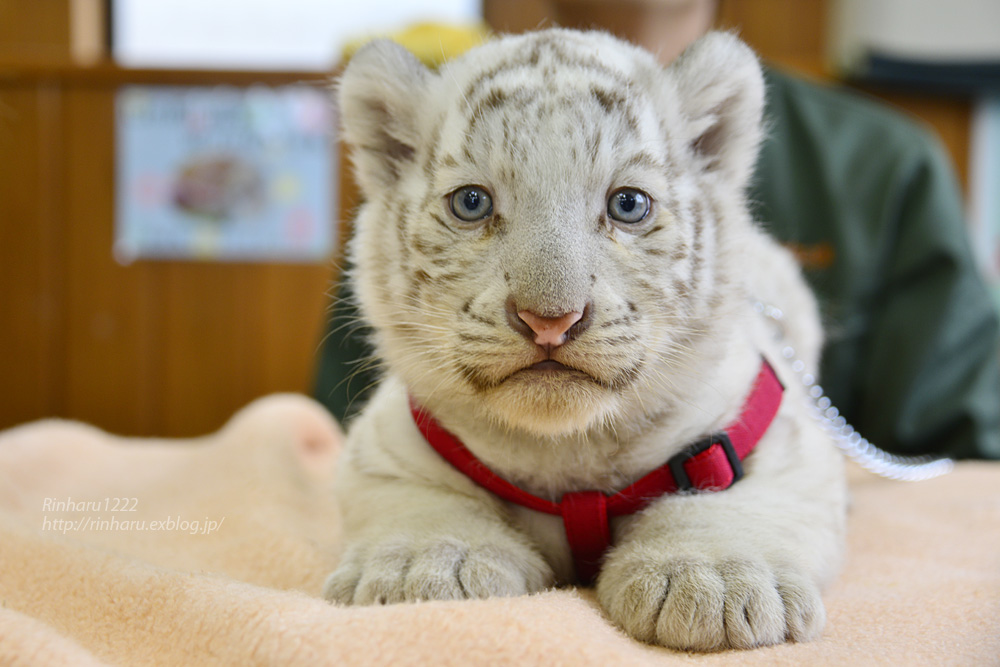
[(222, 173)]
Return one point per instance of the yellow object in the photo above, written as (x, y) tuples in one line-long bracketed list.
[(432, 43)]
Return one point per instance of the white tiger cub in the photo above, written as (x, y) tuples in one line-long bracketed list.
[(557, 259)]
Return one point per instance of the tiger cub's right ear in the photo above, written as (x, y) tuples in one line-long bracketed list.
[(378, 95), (721, 88)]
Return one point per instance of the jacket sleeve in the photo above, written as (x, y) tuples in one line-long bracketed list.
[(870, 202), (929, 366)]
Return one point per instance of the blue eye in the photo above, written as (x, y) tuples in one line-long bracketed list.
[(628, 205), (471, 203)]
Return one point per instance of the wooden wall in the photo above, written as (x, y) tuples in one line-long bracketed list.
[(173, 348), (169, 348)]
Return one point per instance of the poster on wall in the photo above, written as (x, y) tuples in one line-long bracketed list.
[(220, 173)]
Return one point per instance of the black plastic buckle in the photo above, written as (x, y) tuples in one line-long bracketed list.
[(677, 461)]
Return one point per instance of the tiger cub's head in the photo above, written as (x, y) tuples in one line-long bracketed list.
[(552, 221)]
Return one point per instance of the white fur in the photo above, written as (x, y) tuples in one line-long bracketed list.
[(560, 120)]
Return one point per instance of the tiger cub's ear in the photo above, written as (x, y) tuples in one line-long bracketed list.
[(379, 94), (721, 93)]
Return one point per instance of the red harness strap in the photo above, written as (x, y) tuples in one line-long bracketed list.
[(712, 464)]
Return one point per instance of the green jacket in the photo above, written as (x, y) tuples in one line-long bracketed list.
[(869, 202)]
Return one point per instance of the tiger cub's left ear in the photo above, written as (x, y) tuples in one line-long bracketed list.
[(721, 93), (379, 95)]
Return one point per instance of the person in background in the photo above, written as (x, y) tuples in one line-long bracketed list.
[(869, 203)]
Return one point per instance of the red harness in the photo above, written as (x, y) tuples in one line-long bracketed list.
[(712, 464)]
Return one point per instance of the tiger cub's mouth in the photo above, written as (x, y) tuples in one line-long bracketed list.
[(552, 371), (550, 365)]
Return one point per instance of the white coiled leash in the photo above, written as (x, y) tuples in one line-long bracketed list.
[(856, 447)]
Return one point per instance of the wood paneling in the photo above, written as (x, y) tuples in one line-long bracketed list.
[(788, 31), (30, 300), (165, 348), (110, 315), (35, 29)]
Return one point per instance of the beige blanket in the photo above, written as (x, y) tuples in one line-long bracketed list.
[(212, 551)]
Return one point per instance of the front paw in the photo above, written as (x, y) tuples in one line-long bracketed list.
[(703, 604), (400, 570)]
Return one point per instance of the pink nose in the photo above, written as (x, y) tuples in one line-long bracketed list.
[(550, 330)]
